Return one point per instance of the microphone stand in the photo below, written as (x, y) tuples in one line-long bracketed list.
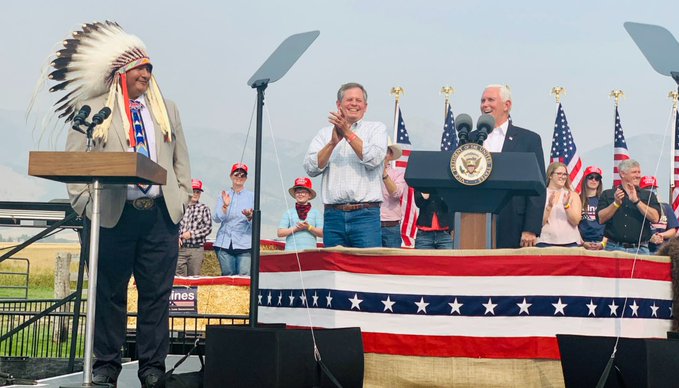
[(93, 260)]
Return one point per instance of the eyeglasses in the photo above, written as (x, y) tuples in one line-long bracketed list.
[(594, 178), (560, 174)]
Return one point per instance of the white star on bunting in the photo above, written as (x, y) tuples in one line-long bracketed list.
[(592, 308), (455, 307), (315, 298), (388, 304), (654, 310), (355, 302), (559, 307), (328, 300), (614, 308), (490, 307), (422, 305), (523, 307), (635, 307)]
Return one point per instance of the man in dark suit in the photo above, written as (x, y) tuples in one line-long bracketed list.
[(520, 221)]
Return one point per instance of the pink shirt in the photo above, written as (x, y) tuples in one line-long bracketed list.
[(391, 204), (558, 230)]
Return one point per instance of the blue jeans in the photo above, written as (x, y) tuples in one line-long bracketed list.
[(433, 240), (613, 246), (233, 264), (358, 229), (391, 236)]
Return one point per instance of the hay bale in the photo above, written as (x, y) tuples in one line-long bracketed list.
[(212, 299), (210, 266)]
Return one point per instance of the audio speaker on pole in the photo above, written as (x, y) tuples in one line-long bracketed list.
[(638, 362), (241, 356)]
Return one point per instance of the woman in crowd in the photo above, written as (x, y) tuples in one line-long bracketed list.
[(562, 210), (666, 228), (591, 231), (434, 223), (234, 212), (300, 226)]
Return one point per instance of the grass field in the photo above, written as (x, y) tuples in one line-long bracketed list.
[(42, 262)]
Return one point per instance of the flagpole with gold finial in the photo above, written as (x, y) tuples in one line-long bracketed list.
[(674, 95), (616, 94), (396, 91), (447, 91), (557, 91)]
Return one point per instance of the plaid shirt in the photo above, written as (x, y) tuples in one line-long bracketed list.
[(198, 221)]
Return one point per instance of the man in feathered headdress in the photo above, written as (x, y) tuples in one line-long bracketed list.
[(102, 65)]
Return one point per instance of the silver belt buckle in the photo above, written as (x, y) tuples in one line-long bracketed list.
[(143, 203)]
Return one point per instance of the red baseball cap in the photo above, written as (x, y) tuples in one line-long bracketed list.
[(593, 170), (197, 184), (239, 166), (302, 183), (648, 182)]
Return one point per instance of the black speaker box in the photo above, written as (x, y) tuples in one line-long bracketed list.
[(240, 356), (637, 363)]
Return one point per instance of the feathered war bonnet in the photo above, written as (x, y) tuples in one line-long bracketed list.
[(93, 62)]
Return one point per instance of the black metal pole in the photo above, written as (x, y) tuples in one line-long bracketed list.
[(257, 216)]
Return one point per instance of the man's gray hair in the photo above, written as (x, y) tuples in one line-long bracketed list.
[(351, 85), (505, 92), (627, 164)]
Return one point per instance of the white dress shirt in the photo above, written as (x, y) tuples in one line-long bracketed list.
[(496, 139)]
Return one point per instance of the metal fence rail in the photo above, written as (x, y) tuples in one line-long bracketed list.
[(22, 275), (50, 335)]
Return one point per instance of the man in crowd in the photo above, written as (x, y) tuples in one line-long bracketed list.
[(194, 228), (393, 188), (520, 221), (139, 223), (628, 212), (349, 154)]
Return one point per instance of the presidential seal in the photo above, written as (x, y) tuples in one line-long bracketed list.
[(471, 164)]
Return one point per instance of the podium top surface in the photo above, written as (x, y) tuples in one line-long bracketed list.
[(84, 167), (517, 172)]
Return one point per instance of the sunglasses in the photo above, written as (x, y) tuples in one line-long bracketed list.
[(240, 174), (594, 178)]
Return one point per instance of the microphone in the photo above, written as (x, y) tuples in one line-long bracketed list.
[(484, 125), (79, 119), (101, 115), (463, 125)]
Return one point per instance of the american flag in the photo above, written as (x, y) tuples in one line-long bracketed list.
[(449, 137), (564, 149), (620, 151), (490, 305), (675, 171), (408, 208)]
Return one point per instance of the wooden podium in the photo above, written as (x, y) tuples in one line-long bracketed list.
[(95, 168)]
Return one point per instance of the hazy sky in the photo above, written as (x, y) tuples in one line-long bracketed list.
[(204, 52)]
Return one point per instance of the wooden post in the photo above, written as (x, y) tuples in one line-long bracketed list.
[(62, 288)]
